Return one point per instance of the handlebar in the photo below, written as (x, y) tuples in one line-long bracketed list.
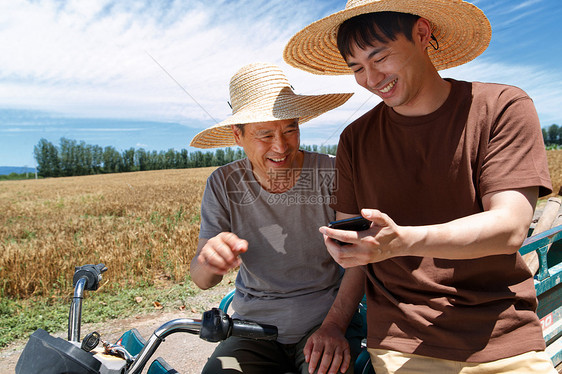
[(218, 326), (86, 277), (215, 326)]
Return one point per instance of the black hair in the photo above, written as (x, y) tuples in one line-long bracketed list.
[(365, 29)]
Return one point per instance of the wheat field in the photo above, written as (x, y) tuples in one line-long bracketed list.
[(142, 225)]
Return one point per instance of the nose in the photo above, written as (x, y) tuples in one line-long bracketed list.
[(280, 144), (373, 77)]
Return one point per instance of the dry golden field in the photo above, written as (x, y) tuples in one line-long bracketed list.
[(142, 225), (555, 168)]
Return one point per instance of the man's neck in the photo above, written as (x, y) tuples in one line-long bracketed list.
[(433, 94)]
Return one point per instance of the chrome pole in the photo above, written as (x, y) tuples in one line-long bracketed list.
[(75, 314), (177, 325)]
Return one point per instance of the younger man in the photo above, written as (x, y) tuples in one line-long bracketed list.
[(449, 173)]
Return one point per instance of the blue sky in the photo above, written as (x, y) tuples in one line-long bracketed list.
[(92, 70)]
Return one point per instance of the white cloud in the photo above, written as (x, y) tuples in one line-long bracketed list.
[(92, 58)]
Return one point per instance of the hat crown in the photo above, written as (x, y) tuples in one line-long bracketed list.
[(256, 83), (354, 3)]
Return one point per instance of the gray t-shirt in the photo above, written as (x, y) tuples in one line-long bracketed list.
[(287, 277)]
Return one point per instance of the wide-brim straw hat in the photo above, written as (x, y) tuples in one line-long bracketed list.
[(461, 29), (260, 92)]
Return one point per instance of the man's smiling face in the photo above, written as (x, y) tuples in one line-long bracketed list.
[(270, 146)]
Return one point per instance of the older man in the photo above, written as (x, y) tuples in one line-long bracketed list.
[(262, 213)]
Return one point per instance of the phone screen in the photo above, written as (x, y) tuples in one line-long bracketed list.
[(352, 224)]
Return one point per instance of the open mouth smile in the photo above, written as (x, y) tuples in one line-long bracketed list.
[(278, 160), (388, 87)]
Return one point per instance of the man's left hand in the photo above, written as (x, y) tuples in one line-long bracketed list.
[(329, 348), (385, 239)]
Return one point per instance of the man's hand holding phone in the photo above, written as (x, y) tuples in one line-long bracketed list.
[(358, 223), (376, 238)]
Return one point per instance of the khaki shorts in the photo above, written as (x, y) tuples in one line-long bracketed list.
[(385, 361)]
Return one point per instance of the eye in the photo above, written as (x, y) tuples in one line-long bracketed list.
[(381, 59)]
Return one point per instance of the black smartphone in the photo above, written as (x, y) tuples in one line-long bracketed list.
[(352, 224)]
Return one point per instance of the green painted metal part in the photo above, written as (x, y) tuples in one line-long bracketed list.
[(548, 246)]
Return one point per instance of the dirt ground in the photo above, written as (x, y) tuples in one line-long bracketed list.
[(185, 352)]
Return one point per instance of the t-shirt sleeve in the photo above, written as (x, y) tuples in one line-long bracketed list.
[(516, 156), (344, 192), (215, 216)]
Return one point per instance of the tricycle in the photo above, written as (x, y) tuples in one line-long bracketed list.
[(44, 353)]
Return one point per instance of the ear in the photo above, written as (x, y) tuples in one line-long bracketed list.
[(237, 134), (422, 32)]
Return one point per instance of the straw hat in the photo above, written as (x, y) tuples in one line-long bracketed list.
[(260, 92), (461, 29)]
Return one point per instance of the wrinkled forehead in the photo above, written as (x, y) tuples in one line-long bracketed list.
[(272, 126)]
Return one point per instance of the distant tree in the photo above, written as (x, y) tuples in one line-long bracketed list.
[(68, 157), (219, 158), (112, 161), (47, 158), (85, 159), (326, 149), (128, 158), (170, 159), (229, 155), (208, 159), (196, 159), (97, 159), (141, 159), (553, 132), (184, 159)]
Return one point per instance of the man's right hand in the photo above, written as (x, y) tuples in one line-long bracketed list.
[(221, 253)]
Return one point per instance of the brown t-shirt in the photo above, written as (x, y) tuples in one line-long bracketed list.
[(433, 169)]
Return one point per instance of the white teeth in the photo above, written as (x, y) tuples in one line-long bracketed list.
[(389, 87), (277, 159)]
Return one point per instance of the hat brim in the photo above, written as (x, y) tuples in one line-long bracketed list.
[(303, 107), (461, 28)]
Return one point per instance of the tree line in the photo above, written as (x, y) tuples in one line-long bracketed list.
[(552, 136), (73, 158)]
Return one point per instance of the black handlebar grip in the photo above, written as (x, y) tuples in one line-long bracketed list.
[(253, 330), (92, 274)]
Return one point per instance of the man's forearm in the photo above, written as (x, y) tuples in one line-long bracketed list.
[(499, 230), (351, 292), (202, 277)]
